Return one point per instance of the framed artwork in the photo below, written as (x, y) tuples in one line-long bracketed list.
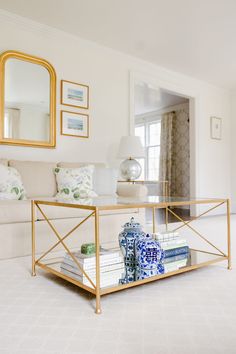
[(216, 128), (74, 124), (75, 95)]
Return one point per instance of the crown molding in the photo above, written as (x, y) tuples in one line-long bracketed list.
[(37, 27)]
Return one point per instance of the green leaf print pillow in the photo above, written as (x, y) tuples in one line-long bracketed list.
[(11, 186), (75, 183)]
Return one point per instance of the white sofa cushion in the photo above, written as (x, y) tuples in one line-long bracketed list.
[(38, 177), (105, 180), (75, 183), (15, 211), (11, 186), (80, 164)]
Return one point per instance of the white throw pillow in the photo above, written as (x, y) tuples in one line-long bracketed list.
[(11, 186), (75, 183), (105, 181)]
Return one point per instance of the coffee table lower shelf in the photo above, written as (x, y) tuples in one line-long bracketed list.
[(53, 266)]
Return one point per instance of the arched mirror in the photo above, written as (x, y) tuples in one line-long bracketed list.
[(27, 101)]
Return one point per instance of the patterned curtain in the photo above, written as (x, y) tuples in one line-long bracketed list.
[(180, 175), (166, 148)]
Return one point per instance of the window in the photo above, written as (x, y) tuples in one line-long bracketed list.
[(150, 134)]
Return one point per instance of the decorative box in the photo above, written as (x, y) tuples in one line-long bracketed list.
[(88, 248)]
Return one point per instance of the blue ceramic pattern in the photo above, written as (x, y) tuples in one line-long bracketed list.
[(129, 275), (142, 273), (148, 253), (143, 256), (127, 239)]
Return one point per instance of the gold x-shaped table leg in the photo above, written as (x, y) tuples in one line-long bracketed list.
[(61, 241), (187, 223)]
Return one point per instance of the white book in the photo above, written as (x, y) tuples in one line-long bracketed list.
[(92, 272), (88, 259), (165, 236), (92, 265), (165, 245), (114, 280), (172, 266)]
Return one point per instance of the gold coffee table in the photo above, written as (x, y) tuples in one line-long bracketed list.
[(200, 258)]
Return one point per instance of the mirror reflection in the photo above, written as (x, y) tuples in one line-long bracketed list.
[(26, 101)]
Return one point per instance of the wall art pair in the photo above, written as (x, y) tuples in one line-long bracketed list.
[(73, 123)]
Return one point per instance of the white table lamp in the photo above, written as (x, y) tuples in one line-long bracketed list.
[(130, 147)]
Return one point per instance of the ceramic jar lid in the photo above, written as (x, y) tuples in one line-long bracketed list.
[(132, 224)]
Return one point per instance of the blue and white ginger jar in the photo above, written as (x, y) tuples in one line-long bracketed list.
[(127, 239), (148, 252), (149, 257), (129, 275)]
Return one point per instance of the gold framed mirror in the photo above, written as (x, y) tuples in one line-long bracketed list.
[(27, 101)]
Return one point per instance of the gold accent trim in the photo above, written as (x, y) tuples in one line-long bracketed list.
[(161, 276), (194, 230), (77, 114), (66, 277), (228, 235), (33, 236), (97, 243), (39, 61), (72, 105), (157, 205), (64, 237), (154, 228), (197, 217), (64, 245)]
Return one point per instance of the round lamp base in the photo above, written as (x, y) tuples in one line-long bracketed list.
[(130, 169)]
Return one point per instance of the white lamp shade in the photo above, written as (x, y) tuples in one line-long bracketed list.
[(130, 146)]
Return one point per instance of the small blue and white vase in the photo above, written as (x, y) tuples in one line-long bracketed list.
[(127, 239), (148, 252), (149, 258)]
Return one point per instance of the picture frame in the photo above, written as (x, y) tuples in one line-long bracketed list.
[(216, 128), (74, 124), (74, 94)]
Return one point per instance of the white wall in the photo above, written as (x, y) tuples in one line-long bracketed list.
[(233, 151), (107, 73)]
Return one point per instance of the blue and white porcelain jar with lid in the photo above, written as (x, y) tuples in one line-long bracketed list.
[(127, 238), (149, 257)]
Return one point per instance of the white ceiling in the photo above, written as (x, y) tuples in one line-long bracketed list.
[(195, 37), (149, 99)]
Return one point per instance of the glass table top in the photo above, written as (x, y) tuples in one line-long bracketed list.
[(125, 202)]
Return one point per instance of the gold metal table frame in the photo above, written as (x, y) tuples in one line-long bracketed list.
[(165, 203)]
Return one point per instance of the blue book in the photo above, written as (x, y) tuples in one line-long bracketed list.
[(179, 257), (175, 251)]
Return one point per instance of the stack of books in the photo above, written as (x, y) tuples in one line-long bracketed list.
[(176, 250), (111, 267)]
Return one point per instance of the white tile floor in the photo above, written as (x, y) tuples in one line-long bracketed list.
[(190, 313)]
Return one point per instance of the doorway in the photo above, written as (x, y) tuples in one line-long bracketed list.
[(162, 121)]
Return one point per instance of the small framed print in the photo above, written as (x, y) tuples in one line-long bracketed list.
[(75, 95), (74, 124), (216, 128)]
